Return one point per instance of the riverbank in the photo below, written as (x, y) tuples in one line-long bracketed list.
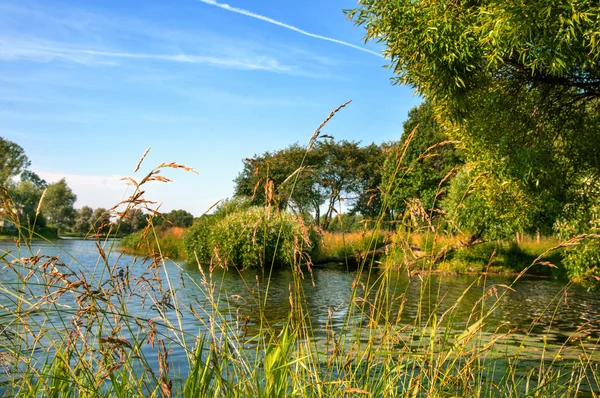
[(499, 257), (45, 233)]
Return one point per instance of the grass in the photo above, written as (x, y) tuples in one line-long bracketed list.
[(84, 336), (426, 251), (336, 244), (168, 241), (71, 329)]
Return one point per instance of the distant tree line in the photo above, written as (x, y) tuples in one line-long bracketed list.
[(35, 204)]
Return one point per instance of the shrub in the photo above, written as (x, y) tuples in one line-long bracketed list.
[(252, 236)]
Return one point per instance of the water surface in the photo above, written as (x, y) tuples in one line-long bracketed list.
[(561, 319)]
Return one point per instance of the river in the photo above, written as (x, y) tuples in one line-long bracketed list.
[(553, 318)]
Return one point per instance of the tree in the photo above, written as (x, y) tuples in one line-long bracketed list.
[(136, 219), (305, 181), (518, 83), (288, 177), (29, 175), (101, 220), (26, 197), (12, 160), (454, 47), (420, 165), (175, 218), (58, 205), (341, 174), (369, 201), (83, 220)]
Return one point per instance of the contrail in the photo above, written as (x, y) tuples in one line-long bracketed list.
[(286, 26)]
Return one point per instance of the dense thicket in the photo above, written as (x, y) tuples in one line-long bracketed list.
[(518, 84), (241, 235)]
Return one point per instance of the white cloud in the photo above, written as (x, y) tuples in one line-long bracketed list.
[(92, 190), (45, 51), (287, 26)]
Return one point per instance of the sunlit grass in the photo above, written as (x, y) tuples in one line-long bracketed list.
[(338, 244), (68, 329), (147, 242)]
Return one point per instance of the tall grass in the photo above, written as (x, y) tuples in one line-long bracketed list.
[(340, 244), (170, 241), (70, 330)]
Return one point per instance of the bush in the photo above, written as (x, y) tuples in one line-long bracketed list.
[(253, 236)]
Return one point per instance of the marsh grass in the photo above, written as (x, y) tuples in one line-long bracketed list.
[(342, 244), (170, 241), (110, 330)]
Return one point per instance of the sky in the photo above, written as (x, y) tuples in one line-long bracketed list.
[(87, 86)]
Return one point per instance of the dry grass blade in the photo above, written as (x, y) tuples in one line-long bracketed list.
[(139, 163), (438, 145), (39, 206), (297, 171), (327, 119), (129, 181), (212, 207), (174, 165)]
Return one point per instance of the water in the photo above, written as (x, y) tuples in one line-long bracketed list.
[(561, 319)]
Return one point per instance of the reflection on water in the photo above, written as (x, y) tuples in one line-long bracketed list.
[(567, 317)]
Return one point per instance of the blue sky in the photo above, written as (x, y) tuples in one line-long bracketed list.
[(87, 86)]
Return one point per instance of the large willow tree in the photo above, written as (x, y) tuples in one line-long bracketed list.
[(518, 83)]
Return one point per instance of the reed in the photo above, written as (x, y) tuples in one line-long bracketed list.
[(67, 329), (340, 244)]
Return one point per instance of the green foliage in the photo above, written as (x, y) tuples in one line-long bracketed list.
[(132, 221), (452, 46), (174, 218), (26, 197), (83, 220), (518, 83), (198, 240), (57, 205), (264, 179), (581, 221), (12, 160), (257, 237), (252, 236), (420, 164), (277, 364), (304, 180), (202, 374), (490, 214), (35, 179)]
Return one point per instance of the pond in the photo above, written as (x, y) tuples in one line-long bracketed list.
[(539, 319)]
